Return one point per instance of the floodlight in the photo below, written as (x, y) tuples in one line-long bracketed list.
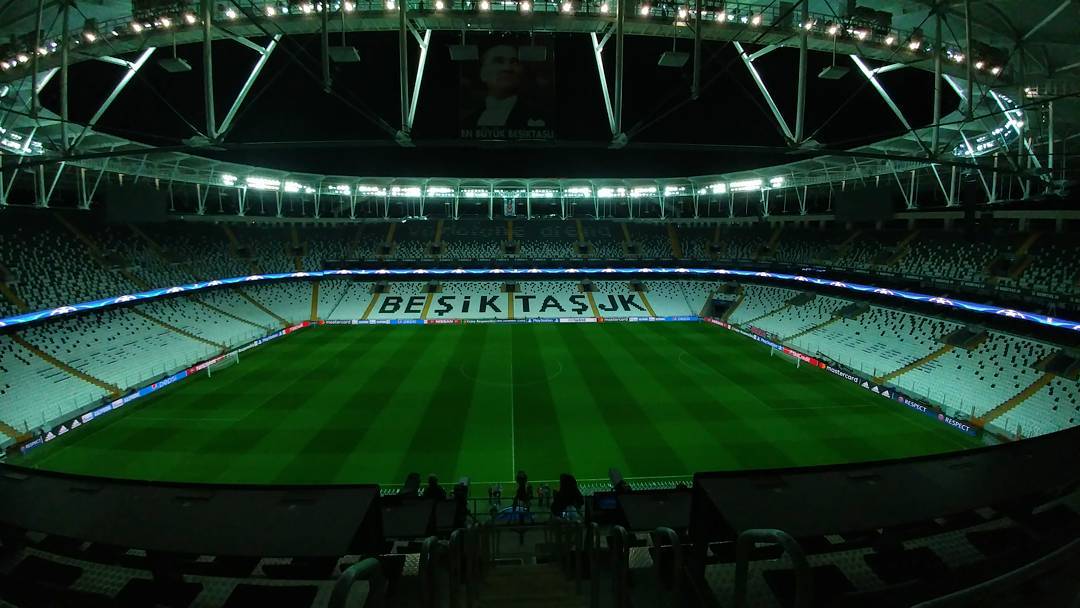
[(833, 72), (190, 18), (439, 5), (174, 65), (166, 22), (644, 10), (567, 7), (673, 59), (525, 6), (230, 13), (343, 54), (755, 20), (604, 8), (485, 5)]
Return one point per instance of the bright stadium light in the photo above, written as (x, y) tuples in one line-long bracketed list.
[(439, 5), (721, 16), (525, 6), (604, 8), (190, 18), (644, 10), (567, 7), (228, 179), (349, 7), (745, 185), (230, 13), (914, 45), (270, 12), (90, 36), (833, 30), (306, 8), (890, 40), (683, 13), (166, 22), (22, 58), (262, 183), (995, 70), (980, 64), (777, 181), (755, 20)]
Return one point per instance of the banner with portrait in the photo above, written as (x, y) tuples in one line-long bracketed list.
[(509, 92)]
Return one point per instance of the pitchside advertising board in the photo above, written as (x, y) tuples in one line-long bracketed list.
[(850, 376), (508, 91)]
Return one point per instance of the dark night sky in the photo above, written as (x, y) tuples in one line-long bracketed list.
[(288, 104)]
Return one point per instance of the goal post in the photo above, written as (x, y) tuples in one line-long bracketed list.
[(228, 360), (773, 352)]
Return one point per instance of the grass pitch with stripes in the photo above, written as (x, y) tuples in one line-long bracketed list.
[(373, 403)]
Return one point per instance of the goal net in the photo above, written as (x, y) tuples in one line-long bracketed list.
[(228, 361), (786, 357)]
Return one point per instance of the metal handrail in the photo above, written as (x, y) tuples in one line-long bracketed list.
[(658, 536), (365, 570), (620, 554), (456, 551), (743, 545), (429, 552), (592, 541)]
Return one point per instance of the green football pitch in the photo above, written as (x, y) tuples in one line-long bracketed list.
[(369, 404)]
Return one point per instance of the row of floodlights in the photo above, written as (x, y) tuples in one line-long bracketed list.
[(915, 44), (292, 187)]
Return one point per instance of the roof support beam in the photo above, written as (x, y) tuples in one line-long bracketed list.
[(869, 74), (970, 60), (208, 71), (935, 136), (425, 43), (1054, 13), (325, 44), (695, 87), (65, 42), (749, 63), (403, 66), (264, 56), (598, 49), (619, 139), (35, 102), (800, 104), (132, 68)]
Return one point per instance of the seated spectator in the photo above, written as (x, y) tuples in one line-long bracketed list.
[(434, 491), (568, 501), (524, 493)]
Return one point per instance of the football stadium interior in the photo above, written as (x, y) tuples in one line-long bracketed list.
[(570, 303)]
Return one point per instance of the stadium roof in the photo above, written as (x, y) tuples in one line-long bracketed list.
[(1021, 55)]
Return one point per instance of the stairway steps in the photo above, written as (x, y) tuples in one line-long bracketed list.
[(1016, 399), (175, 329), (262, 307), (81, 375), (918, 362)]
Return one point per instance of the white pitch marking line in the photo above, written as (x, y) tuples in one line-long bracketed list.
[(513, 446)]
